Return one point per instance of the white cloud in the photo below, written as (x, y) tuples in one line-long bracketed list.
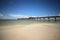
[(33, 16), (1, 14), (18, 16), (58, 14)]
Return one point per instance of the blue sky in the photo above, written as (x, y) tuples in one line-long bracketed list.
[(11, 9)]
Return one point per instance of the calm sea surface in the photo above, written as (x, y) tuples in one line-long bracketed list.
[(26, 21)]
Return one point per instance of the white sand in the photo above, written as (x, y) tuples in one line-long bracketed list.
[(40, 31)]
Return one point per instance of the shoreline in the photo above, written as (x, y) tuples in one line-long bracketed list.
[(12, 26)]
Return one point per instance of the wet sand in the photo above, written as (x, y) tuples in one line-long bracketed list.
[(40, 31)]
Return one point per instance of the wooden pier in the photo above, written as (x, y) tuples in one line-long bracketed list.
[(48, 17)]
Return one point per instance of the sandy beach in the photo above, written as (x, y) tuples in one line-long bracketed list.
[(35, 31)]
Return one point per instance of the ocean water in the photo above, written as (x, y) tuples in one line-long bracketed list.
[(12, 22)]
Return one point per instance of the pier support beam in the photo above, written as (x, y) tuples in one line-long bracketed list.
[(55, 18), (40, 18), (44, 19), (37, 18), (48, 19)]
